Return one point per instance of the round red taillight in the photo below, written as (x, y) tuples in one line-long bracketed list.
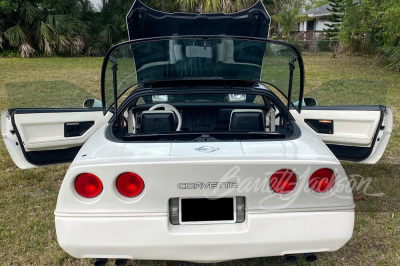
[(130, 185), (322, 180), (88, 185), (283, 181)]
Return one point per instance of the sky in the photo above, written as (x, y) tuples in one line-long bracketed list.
[(96, 3)]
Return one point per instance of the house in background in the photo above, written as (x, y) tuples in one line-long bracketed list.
[(319, 18), (313, 29)]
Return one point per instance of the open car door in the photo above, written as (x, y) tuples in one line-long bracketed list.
[(352, 133), (39, 137)]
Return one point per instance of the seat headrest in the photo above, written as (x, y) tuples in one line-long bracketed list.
[(247, 120), (157, 121)]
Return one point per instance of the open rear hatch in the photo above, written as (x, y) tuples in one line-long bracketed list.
[(144, 22)]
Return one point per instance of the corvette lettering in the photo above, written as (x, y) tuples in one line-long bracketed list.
[(208, 185)]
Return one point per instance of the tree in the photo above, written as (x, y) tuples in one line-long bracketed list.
[(286, 16), (336, 9), (371, 26), (288, 20), (108, 26), (214, 6), (163, 5), (310, 4), (46, 26)]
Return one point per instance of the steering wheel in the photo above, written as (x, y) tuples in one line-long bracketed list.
[(168, 107)]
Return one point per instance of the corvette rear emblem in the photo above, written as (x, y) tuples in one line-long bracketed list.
[(206, 149)]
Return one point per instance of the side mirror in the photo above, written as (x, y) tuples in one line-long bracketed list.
[(309, 101), (92, 103)]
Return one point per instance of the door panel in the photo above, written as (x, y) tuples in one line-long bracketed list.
[(351, 128), (36, 137), (359, 133)]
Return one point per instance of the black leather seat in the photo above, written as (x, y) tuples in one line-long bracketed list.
[(157, 121), (247, 120)]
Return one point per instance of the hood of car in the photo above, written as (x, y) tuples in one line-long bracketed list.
[(144, 22)]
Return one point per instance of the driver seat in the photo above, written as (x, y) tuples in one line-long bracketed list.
[(157, 121)]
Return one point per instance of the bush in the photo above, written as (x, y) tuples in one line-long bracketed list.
[(389, 56), (327, 45), (324, 45), (295, 43)]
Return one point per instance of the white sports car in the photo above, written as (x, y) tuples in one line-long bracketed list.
[(203, 147)]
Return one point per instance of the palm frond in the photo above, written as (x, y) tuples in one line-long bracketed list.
[(97, 48), (276, 18), (77, 46), (214, 6), (188, 5), (117, 19), (47, 37), (63, 43), (64, 24), (1, 40), (227, 6), (29, 12), (210, 6), (393, 54), (26, 50), (106, 34), (243, 4), (288, 20), (69, 7), (15, 35)]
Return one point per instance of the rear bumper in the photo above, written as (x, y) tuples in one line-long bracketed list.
[(154, 238)]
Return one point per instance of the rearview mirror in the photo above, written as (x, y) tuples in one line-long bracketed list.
[(92, 103)]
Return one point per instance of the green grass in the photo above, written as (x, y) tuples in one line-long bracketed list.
[(63, 94), (350, 92), (28, 198)]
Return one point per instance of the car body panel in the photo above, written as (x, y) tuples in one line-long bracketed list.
[(261, 235), (162, 170), (357, 128), (360, 133), (36, 137), (274, 224)]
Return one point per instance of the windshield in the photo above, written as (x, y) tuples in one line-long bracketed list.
[(202, 58)]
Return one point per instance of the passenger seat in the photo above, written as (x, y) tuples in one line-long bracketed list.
[(157, 121), (247, 120)]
